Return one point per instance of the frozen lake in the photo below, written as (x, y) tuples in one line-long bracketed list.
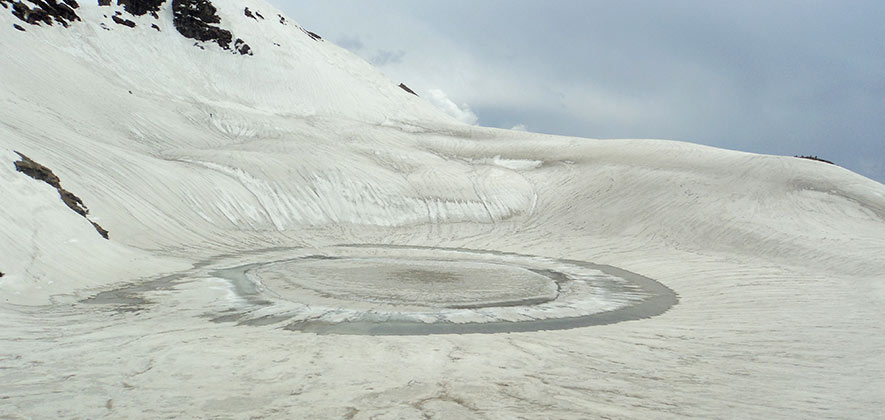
[(415, 291)]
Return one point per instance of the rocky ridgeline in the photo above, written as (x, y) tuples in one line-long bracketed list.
[(43, 11), (194, 19), (141, 7), (42, 173)]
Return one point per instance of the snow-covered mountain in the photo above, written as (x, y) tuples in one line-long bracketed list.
[(203, 136)]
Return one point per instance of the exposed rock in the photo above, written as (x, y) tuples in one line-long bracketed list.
[(154, 25), (248, 13), (313, 36), (124, 22), (31, 16), (141, 7), (44, 11), (192, 18), (104, 2), (1, 274), (815, 158), (37, 171), (242, 47), (259, 15), (42, 173), (101, 231), (282, 19), (16, 26), (406, 88)]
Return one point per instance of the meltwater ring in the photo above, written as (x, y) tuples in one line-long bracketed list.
[(382, 290)]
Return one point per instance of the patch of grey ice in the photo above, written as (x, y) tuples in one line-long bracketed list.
[(380, 290)]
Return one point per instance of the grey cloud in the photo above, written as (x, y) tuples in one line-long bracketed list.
[(385, 57), (787, 77), (350, 42)]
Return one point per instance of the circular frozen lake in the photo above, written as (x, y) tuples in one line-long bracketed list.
[(426, 284), (403, 290)]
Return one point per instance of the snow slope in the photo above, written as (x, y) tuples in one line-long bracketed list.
[(192, 157)]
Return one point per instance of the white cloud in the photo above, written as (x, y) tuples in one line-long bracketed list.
[(461, 113)]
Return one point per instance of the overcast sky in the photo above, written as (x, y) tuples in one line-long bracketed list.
[(779, 77)]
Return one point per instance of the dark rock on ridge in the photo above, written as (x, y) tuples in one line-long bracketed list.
[(406, 88), (101, 231), (16, 26), (194, 19), (124, 22), (241, 47), (313, 36), (815, 158), (140, 7), (42, 173), (44, 11)]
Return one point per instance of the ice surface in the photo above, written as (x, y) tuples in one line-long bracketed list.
[(400, 290), (216, 161)]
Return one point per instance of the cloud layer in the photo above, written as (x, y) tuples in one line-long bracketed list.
[(789, 77)]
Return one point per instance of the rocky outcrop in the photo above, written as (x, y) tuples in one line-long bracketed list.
[(814, 158), (125, 22), (249, 13), (242, 47), (313, 36), (44, 11), (141, 7), (41, 173), (195, 19), (407, 89)]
